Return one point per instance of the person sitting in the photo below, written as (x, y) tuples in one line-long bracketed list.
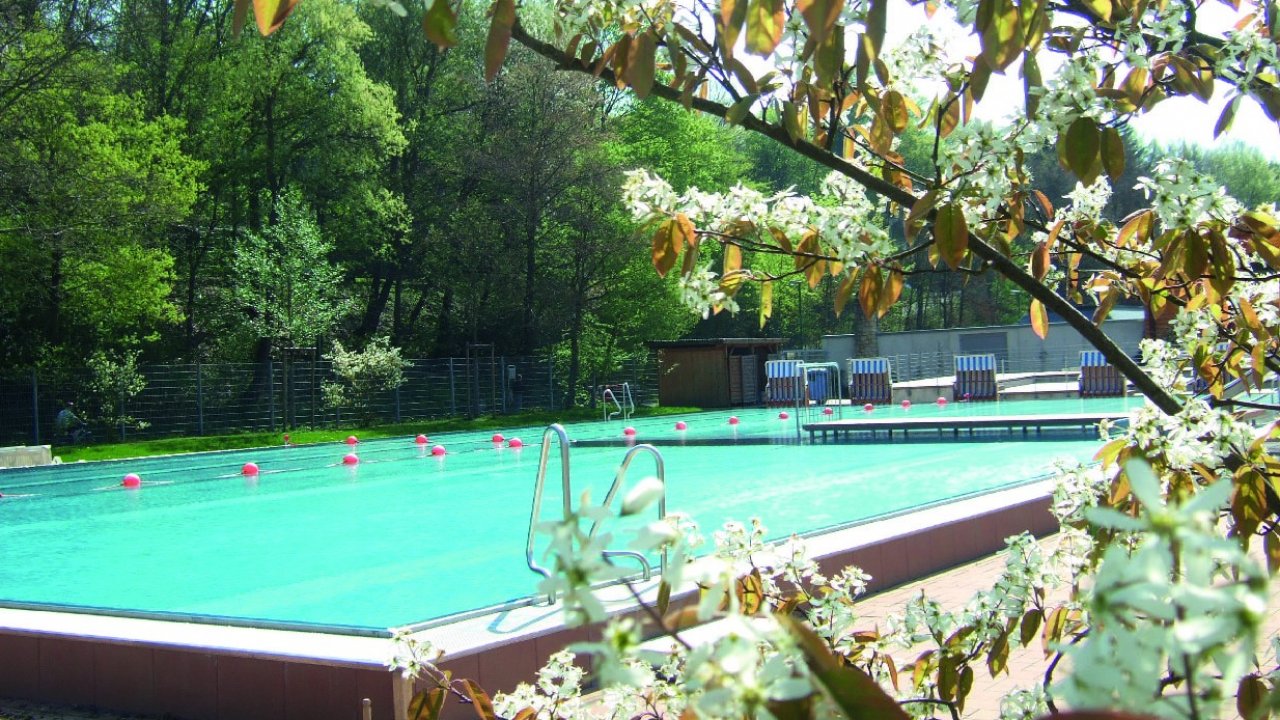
[(69, 425)]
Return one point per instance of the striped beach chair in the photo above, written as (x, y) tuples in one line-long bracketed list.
[(1099, 378), (786, 383), (870, 381), (975, 377)]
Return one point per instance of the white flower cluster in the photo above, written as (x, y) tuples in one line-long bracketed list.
[(974, 153), (1199, 434), (1161, 25), (1087, 203), (1072, 94), (1079, 487), (589, 16), (1246, 53), (1182, 196), (921, 58), (1184, 602), (557, 693), (845, 219)]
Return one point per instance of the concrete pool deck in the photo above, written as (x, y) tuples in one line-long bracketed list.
[(212, 672)]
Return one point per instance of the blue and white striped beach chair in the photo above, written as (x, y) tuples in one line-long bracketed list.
[(870, 381), (975, 377), (786, 383), (1099, 378)]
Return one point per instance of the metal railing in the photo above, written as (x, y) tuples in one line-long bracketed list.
[(216, 398), (557, 432)]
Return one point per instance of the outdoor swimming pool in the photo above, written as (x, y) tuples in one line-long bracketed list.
[(404, 537)]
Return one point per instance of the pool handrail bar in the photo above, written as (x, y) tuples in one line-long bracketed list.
[(626, 405), (618, 479), (558, 431)]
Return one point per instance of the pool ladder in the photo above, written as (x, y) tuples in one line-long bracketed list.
[(626, 405), (557, 431)]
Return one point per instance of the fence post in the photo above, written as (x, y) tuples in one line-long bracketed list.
[(397, 403), (122, 414), (453, 391), (502, 380), (271, 392), (551, 381), (199, 401), (35, 407)]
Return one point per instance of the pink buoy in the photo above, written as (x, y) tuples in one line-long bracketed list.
[(681, 425), (497, 438), (733, 420), (351, 440), (906, 404), (967, 397), (516, 443), (828, 411), (438, 451), (942, 402), (131, 481), (286, 438), (629, 431), (783, 415), (421, 439), (249, 469), (350, 459), (868, 407)]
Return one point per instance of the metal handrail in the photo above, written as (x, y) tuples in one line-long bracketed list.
[(661, 473), (630, 408), (605, 397), (557, 430)]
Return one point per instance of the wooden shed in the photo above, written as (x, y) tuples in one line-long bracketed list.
[(713, 373)]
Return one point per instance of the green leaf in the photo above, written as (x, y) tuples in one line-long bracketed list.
[(998, 25), (426, 705), (1031, 80), (1250, 694), (664, 597), (820, 17), (733, 13), (1113, 153), (1227, 117), (1080, 146), (851, 689), (642, 62), (1028, 626), (271, 14), (480, 700), (1039, 319), (998, 656), (765, 19), (495, 47), (893, 108), (766, 302), (870, 42), (439, 24), (951, 233), (737, 111), (828, 59), (1100, 8)]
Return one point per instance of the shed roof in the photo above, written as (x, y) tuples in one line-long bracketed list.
[(715, 342)]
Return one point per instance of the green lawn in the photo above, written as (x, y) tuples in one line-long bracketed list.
[(300, 436)]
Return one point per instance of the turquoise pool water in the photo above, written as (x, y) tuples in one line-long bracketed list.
[(404, 537)]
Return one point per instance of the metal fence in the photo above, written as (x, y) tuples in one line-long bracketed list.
[(210, 399), (917, 366)]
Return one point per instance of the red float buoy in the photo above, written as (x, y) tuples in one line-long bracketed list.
[(249, 469), (421, 439), (828, 411), (783, 415), (351, 440), (942, 402), (681, 425), (497, 438), (438, 450), (967, 396), (131, 481), (868, 407), (350, 459), (906, 404), (629, 431), (516, 443), (733, 420)]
